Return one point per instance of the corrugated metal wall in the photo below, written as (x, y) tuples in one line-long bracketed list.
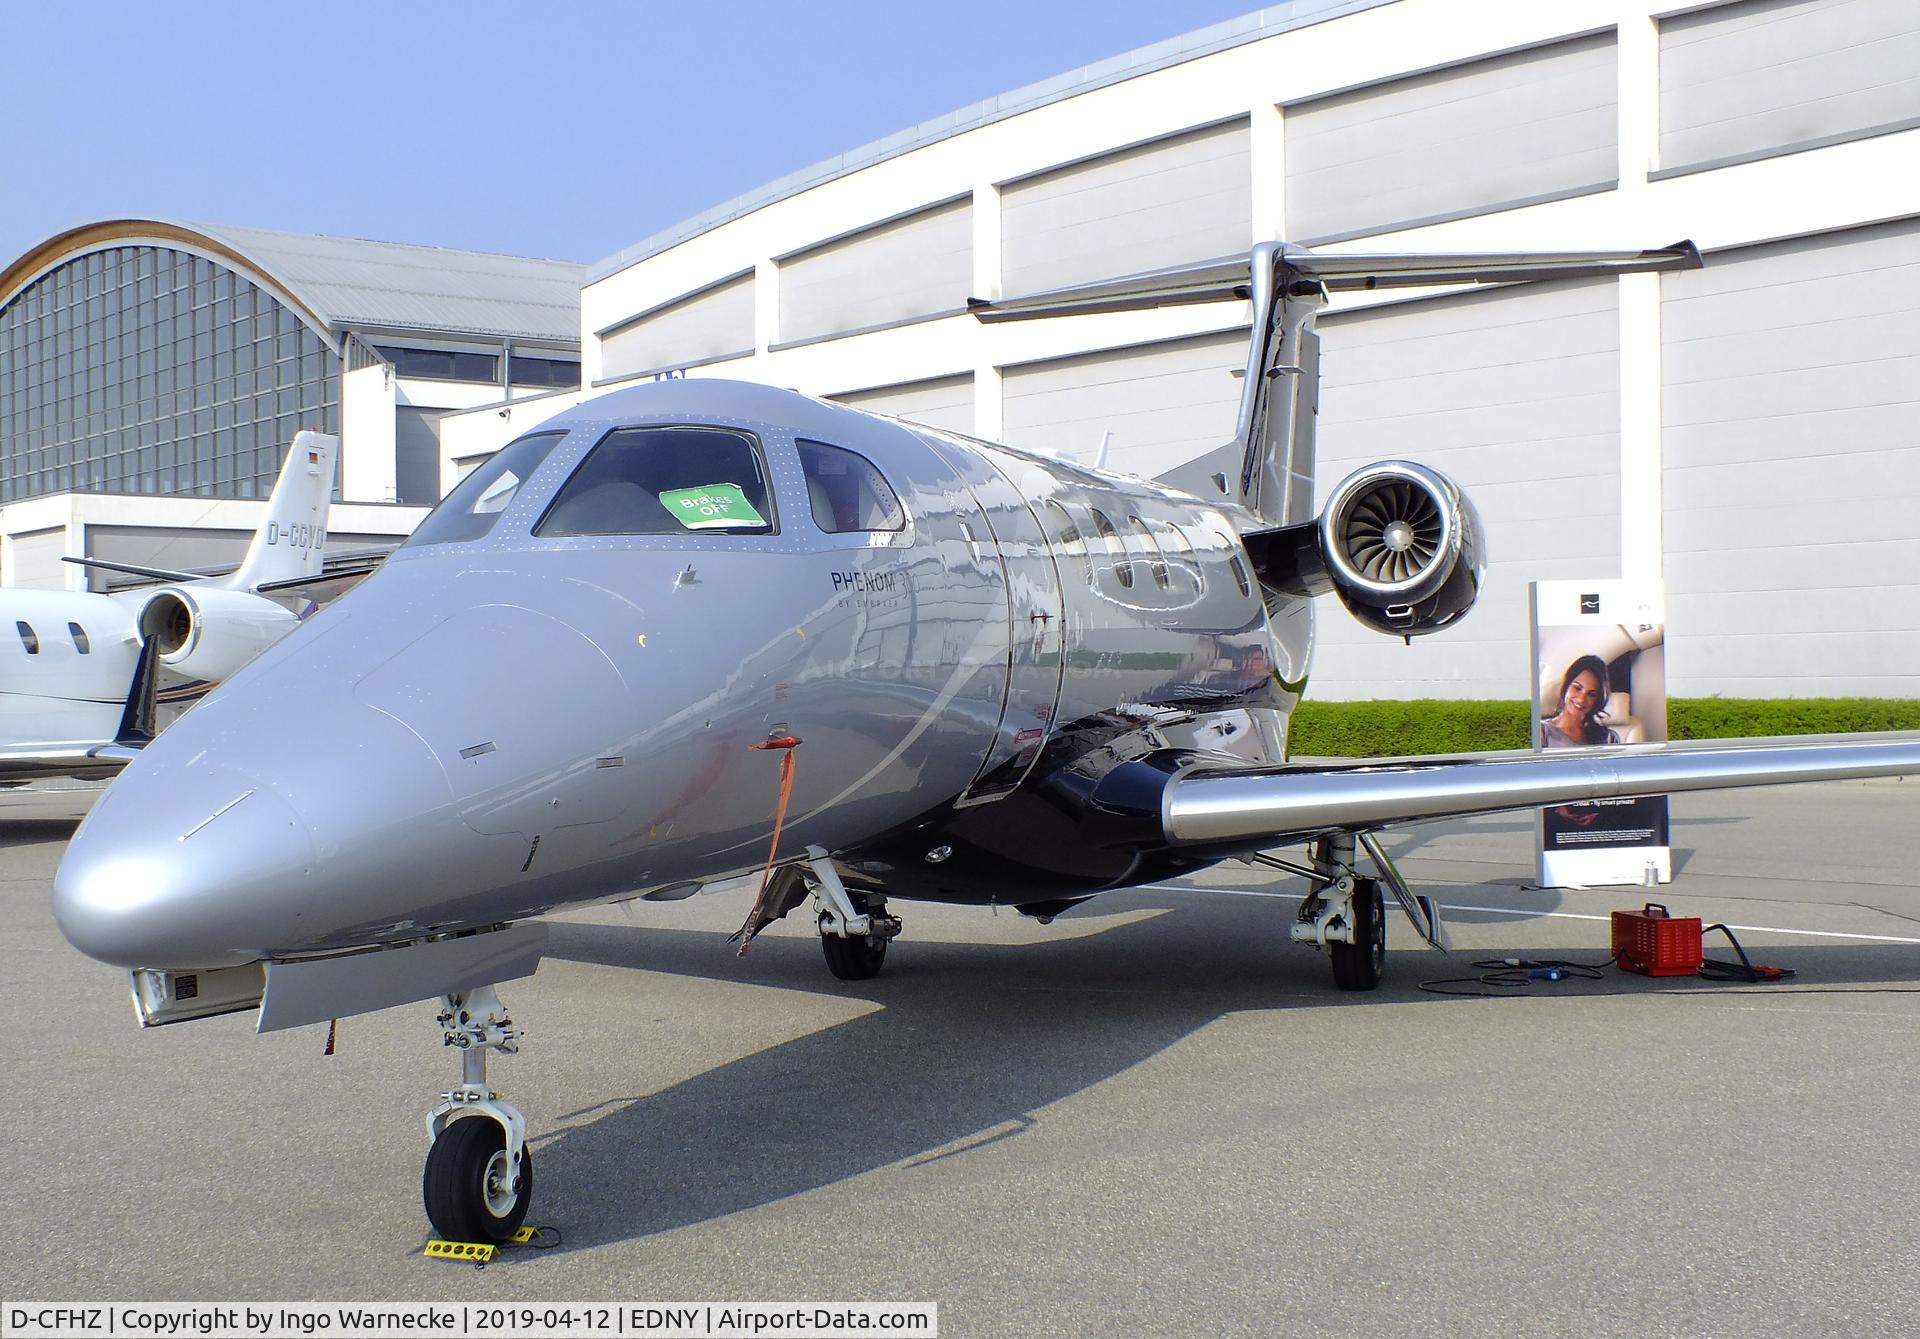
[(1186, 197), (943, 402), (1474, 137), (711, 323), (917, 266), (1746, 78), (1791, 402), (1165, 403), (1516, 396)]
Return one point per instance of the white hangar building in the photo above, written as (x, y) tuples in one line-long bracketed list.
[(153, 374), (1750, 431)]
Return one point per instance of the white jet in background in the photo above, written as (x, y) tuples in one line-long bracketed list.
[(70, 661)]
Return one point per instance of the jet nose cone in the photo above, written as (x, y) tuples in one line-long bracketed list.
[(184, 867)]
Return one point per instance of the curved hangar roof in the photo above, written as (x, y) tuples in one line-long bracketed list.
[(339, 282)]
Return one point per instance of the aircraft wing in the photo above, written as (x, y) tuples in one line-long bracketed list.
[(1204, 806), (95, 759), (85, 762)]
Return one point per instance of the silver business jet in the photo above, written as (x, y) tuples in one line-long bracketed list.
[(699, 629)]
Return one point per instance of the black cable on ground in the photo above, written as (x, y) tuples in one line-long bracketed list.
[(1500, 978), (1716, 969)]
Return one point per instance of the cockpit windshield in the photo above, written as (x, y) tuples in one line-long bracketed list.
[(470, 510), (664, 481)]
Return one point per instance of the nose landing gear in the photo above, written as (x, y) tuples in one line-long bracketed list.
[(478, 1182), (854, 928)]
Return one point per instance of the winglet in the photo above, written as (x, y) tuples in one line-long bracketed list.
[(139, 723)]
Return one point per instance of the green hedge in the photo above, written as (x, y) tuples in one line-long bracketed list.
[(1430, 725)]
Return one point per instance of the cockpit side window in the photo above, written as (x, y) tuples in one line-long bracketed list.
[(470, 510), (664, 481), (28, 637), (847, 491)]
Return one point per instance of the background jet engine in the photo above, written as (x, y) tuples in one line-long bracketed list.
[(208, 633), (1402, 548)]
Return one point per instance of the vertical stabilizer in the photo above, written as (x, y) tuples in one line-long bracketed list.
[(292, 538)]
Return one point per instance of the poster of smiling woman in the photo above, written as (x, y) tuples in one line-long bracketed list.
[(1599, 658)]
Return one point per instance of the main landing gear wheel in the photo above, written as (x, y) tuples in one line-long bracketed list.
[(1359, 965), (471, 1190), (857, 959)]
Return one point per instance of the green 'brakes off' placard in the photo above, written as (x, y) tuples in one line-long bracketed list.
[(711, 507)]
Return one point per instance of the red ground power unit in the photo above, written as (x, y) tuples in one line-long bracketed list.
[(1654, 942)]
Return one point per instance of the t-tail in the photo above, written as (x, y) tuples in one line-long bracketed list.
[(292, 539), (1267, 470)]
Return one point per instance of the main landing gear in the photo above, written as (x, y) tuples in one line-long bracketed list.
[(1345, 911), (479, 1178), (855, 928)]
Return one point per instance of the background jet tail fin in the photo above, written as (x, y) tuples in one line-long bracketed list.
[(291, 541)]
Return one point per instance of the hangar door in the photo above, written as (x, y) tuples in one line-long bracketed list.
[(34, 562), (1165, 403), (712, 323), (942, 402), (1792, 467), (1516, 395)]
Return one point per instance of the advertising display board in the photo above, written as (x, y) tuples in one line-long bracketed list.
[(1599, 680)]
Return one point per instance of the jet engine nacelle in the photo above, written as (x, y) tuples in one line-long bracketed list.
[(208, 633), (1402, 548)]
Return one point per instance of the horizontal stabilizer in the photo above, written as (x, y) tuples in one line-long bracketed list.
[(1205, 807), (328, 585), (134, 569), (1232, 278)]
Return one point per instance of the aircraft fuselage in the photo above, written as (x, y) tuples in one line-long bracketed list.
[(494, 727)]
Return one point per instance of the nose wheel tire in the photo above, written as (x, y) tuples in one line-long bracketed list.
[(470, 1189), (1359, 965), (854, 959)]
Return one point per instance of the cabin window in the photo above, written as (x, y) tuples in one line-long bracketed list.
[(847, 491), (1161, 577), (1067, 532), (664, 481), (1191, 563), (1239, 567), (1122, 565), (28, 638), (79, 635), (475, 503)]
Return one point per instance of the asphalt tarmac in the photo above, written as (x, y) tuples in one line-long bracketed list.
[(1153, 1117)]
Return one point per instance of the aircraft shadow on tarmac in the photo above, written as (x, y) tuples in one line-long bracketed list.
[(970, 1042)]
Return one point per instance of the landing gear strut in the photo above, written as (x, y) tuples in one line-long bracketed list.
[(1345, 911), (479, 1178), (854, 927), (1346, 914)]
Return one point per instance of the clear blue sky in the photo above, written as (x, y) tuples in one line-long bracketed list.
[(555, 129)]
